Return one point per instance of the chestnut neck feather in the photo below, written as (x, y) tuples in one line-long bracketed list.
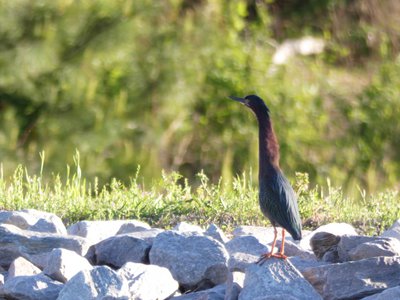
[(268, 145)]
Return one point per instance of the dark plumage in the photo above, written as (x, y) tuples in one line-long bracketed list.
[(276, 196)]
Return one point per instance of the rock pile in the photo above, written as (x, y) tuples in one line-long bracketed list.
[(41, 259)]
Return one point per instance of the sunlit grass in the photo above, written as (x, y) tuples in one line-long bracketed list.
[(171, 199)]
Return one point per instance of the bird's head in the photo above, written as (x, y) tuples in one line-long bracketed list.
[(254, 102)]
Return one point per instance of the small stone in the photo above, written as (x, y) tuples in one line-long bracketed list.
[(63, 264), (1, 282), (234, 285), (22, 267), (276, 279), (98, 283), (148, 282), (32, 287), (192, 259)]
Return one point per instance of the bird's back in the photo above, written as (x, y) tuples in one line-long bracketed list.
[(279, 204)]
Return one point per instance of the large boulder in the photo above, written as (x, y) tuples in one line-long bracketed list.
[(215, 232), (393, 231), (22, 267), (356, 279), (32, 287), (15, 242), (33, 220), (264, 235), (63, 264), (388, 294), (192, 259), (120, 249), (359, 247), (276, 279), (243, 251), (148, 282), (98, 283), (96, 231)]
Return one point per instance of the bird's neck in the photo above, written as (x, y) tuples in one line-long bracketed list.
[(268, 146)]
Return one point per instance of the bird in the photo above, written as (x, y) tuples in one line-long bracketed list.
[(277, 199)]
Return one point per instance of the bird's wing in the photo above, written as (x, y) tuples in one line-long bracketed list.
[(286, 212)]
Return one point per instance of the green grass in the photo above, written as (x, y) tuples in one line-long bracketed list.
[(171, 199)]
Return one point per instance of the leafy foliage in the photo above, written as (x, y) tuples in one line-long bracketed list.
[(131, 83)]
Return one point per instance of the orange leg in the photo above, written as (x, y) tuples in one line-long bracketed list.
[(271, 253)]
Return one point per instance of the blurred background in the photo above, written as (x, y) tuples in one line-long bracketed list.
[(140, 82)]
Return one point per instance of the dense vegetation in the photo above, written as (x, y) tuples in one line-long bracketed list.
[(130, 83), (166, 201)]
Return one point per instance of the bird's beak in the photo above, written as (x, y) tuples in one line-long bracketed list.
[(241, 100)]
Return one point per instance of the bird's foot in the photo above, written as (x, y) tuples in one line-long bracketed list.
[(266, 256)]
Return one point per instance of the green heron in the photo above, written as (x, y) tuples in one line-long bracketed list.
[(276, 196)]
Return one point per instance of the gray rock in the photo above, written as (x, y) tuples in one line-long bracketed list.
[(99, 283), (293, 248), (148, 282), (356, 279), (234, 285), (246, 244), (337, 229), (263, 234), (187, 227), (376, 248), (215, 293), (302, 264), (393, 231), (134, 228), (215, 232), (32, 287), (240, 261), (243, 251), (388, 294), (1, 284), (120, 249), (15, 242), (359, 247), (192, 259), (63, 264), (22, 267), (276, 279), (33, 220), (96, 231)]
